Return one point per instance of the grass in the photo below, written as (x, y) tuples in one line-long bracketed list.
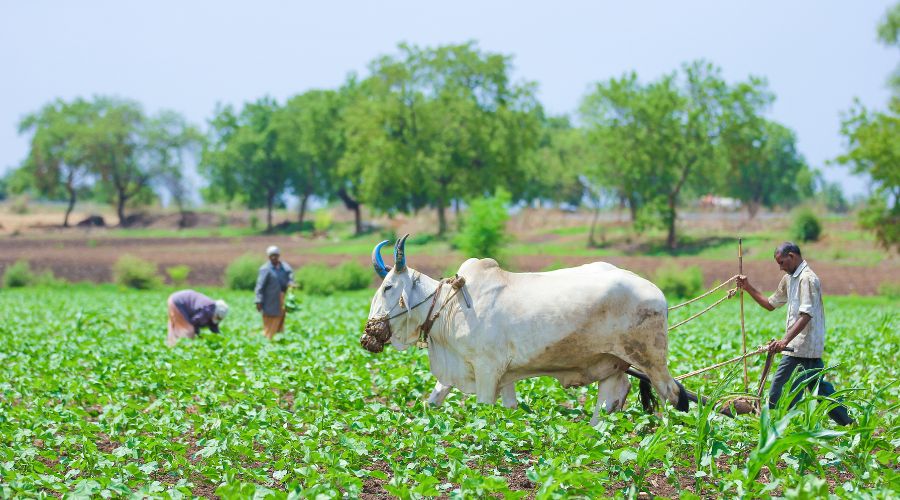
[(92, 403)]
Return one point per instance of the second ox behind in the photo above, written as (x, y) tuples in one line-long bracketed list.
[(579, 325)]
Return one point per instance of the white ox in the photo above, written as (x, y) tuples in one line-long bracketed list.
[(579, 325)]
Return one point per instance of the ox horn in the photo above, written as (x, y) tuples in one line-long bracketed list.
[(400, 254), (378, 262)]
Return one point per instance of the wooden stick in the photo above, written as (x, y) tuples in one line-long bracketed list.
[(743, 332)]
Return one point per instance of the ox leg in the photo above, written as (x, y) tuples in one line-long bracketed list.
[(486, 387), (508, 395), (439, 393), (611, 393)]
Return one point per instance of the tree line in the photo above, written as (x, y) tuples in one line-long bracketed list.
[(434, 128)]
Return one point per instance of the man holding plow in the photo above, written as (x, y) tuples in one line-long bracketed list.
[(805, 327)]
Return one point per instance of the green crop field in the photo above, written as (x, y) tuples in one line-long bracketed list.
[(92, 404)]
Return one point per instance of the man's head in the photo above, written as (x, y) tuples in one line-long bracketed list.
[(788, 257), (220, 312), (274, 255)]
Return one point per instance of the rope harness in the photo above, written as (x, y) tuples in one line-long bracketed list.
[(743, 404)]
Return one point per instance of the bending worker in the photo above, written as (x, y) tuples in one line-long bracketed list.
[(805, 329), (273, 281), (189, 311)]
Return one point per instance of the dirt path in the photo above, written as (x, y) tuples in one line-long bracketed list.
[(91, 260)]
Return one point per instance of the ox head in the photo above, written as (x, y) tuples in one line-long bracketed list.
[(393, 299)]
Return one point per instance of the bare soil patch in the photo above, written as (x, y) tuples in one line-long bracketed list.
[(91, 260)]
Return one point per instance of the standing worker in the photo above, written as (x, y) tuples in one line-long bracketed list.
[(273, 281), (805, 329), (189, 311)]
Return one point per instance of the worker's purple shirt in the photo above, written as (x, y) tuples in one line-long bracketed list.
[(197, 308)]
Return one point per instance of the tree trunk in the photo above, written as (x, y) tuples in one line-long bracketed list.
[(303, 200), (591, 241), (357, 219), (442, 215), (71, 205), (632, 208), (671, 242), (120, 207), (752, 208), (182, 216), (270, 200), (354, 205), (456, 210)]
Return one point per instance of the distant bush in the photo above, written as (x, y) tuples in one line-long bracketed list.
[(242, 272), (319, 279), (135, 272), (387, 234), (806, 226), (19, 274), (179, 274), (47, 278), (322, 221), (890, 290), (421, 239), (555, 265), (834, 199), (19, 205), (483, 231), (678, 282)]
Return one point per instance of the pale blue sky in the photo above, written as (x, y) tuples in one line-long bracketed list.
[(187, 55)]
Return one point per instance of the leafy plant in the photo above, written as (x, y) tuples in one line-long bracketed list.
[(179, 274), (322, 221), (483, 231), (679, 282), (319, 279), (889, 289), (242, 272), (135, 272), (806, 226), (18, 274), (97, 391)]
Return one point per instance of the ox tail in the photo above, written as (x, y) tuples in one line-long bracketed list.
[(648, 399), (672, 390), (682, 404)]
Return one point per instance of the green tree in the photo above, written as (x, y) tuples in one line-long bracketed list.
[(113, 145), (889, 34), (57, 159), (552, 171), (873, 148), (241, 160), (438, 124), (656, 140), (311, 144), (167, 139), (765, 167)]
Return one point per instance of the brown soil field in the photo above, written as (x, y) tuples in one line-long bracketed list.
[(91, 260)]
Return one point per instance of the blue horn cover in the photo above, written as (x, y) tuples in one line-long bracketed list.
[(378, 262)]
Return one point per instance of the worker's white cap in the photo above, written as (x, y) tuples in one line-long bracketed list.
[(273, 250), (221, 311)]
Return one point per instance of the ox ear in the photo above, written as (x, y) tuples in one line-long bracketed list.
[(378, 262), (400, 254)]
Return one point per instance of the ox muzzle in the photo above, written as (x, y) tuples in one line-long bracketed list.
[(377, 333)]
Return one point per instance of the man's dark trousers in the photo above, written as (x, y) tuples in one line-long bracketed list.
[(810, 375)]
